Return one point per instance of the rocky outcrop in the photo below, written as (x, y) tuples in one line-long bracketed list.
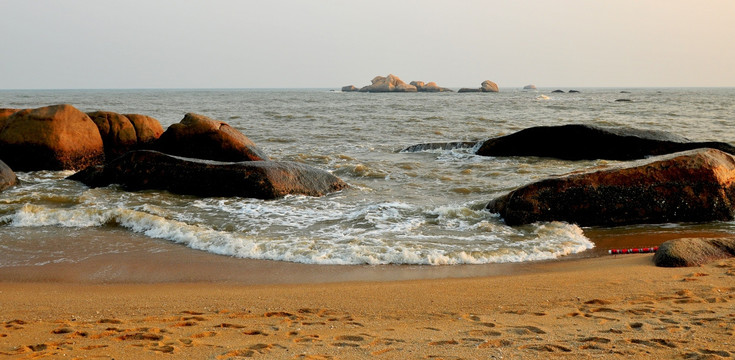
[(585, 142), (486, 86), (692, 186), (7, 176), (429, 87), (145, 169), (350, 88), (529, 87), (122, 133), (58, 137), (198, 136), (693, 252), (390, 83), (558, 91)]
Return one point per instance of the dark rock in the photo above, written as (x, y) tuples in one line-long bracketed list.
[(558, 91), (625, 92), (7, 176), (469, 90), (692, 186), (693, 252), (146, 169), (349, 88), (198, 136), (623, 100), (58, 137), (440, 146), (585, 142), (573, 91)]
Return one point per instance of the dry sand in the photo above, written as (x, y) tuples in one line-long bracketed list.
[(604, 307)]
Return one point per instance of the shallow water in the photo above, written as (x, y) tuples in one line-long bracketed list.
[(402, 208)]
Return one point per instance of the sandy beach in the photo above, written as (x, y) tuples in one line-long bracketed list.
[(204, 306)]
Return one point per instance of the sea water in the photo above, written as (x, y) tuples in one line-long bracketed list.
[(401, 208)]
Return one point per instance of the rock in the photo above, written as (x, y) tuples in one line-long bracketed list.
[(123, 133), (469, 90), (489, 86), (429, 87), (58, 137), (349, 88), (197, 136), (623, 100), (440, 146), (529, 87), (586, 142), (7, 176), (4, 115), (692, 186), (391, 83), (693, 252), (558, 91), (146, 169), (625, 92), (573, 91)]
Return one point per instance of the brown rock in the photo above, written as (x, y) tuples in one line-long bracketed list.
[(7, 176), (692, 186), (391, 83), (146, 169), (429, 87), (147, 129), (118, 133), (58, 137), (198, 136), (693, 252), (489, 86), (4, 114), (350, 88)]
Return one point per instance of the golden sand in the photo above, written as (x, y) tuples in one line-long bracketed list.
[(604, 307)]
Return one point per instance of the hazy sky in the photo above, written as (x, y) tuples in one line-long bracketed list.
[(319, 43)]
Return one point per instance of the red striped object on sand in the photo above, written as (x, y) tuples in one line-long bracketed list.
[(633, 251)]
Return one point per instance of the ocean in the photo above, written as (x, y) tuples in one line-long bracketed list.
[(420, 208)]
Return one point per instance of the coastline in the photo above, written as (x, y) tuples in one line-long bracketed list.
[(199, 305)]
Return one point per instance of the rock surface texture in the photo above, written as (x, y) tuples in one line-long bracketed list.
[(198, 136), (145, 169), (122, 133), (585, 142), (58, 137), (7, 176), (693, 252), (692, 186)]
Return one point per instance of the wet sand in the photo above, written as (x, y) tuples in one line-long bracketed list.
[(197, 305)]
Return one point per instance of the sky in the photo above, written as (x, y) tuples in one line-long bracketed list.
[(101, 44)]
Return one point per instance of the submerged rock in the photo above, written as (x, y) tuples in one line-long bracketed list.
[(440, 146), (198, 136), (692, 186), (146, 169), (390, 83), (58, 137), (693, 252), (7, 176), (586, 142), (558, 91)]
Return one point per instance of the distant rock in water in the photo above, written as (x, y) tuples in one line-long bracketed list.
[(529, 87), (623, 100), (558, 91), (693, 252), (625, 92), (486, 86), (197, 136), (429, 87), (586, 142), (7, 176), (573, 91), (349, 88), (390, 83), (692, 186), (58, 137), (440, 146), (145, 169)]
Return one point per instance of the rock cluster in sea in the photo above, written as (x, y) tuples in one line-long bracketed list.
[(198, 156), (392, 83)]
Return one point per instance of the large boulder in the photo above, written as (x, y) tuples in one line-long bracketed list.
[(429, 87), (122, 133), (586, 142), (7, 176), (350, 88), (146, 169), (390, 83), (198, 136), (693, 252), (489, 86), (692, 186), (58, 137)]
